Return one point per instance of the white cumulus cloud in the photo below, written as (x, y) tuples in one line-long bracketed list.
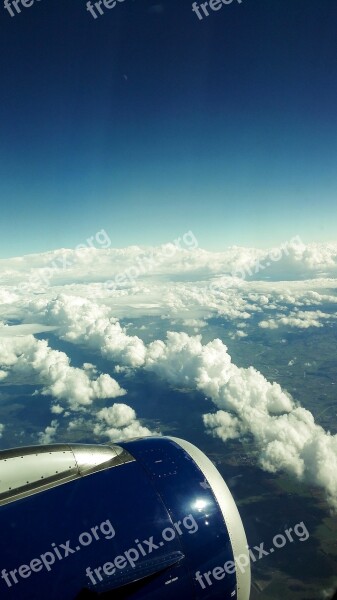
[(26, 359), (119, 422)]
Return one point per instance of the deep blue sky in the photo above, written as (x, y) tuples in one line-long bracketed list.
[(149, 122)]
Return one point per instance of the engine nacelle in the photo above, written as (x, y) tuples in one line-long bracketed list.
[(150, 518)]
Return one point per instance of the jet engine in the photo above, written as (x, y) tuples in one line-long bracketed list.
[(149, 518)]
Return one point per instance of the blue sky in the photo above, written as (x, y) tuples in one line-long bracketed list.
[(150, 123)]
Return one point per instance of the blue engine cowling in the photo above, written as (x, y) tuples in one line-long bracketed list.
[(149, 518)]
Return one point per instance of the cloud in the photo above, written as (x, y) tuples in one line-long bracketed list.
[(28, 360), (2, 427), (119, 422), (186, 283), (47, 436), (57, 409), (81, 321), (31, 360), (223, 425), (196, 324), (298, 319), (23, 329), (291, 260), (7, 296), (239, 334), (114, 423)]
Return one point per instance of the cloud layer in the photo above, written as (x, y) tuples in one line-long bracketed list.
[(290, 287), (286, 434)]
